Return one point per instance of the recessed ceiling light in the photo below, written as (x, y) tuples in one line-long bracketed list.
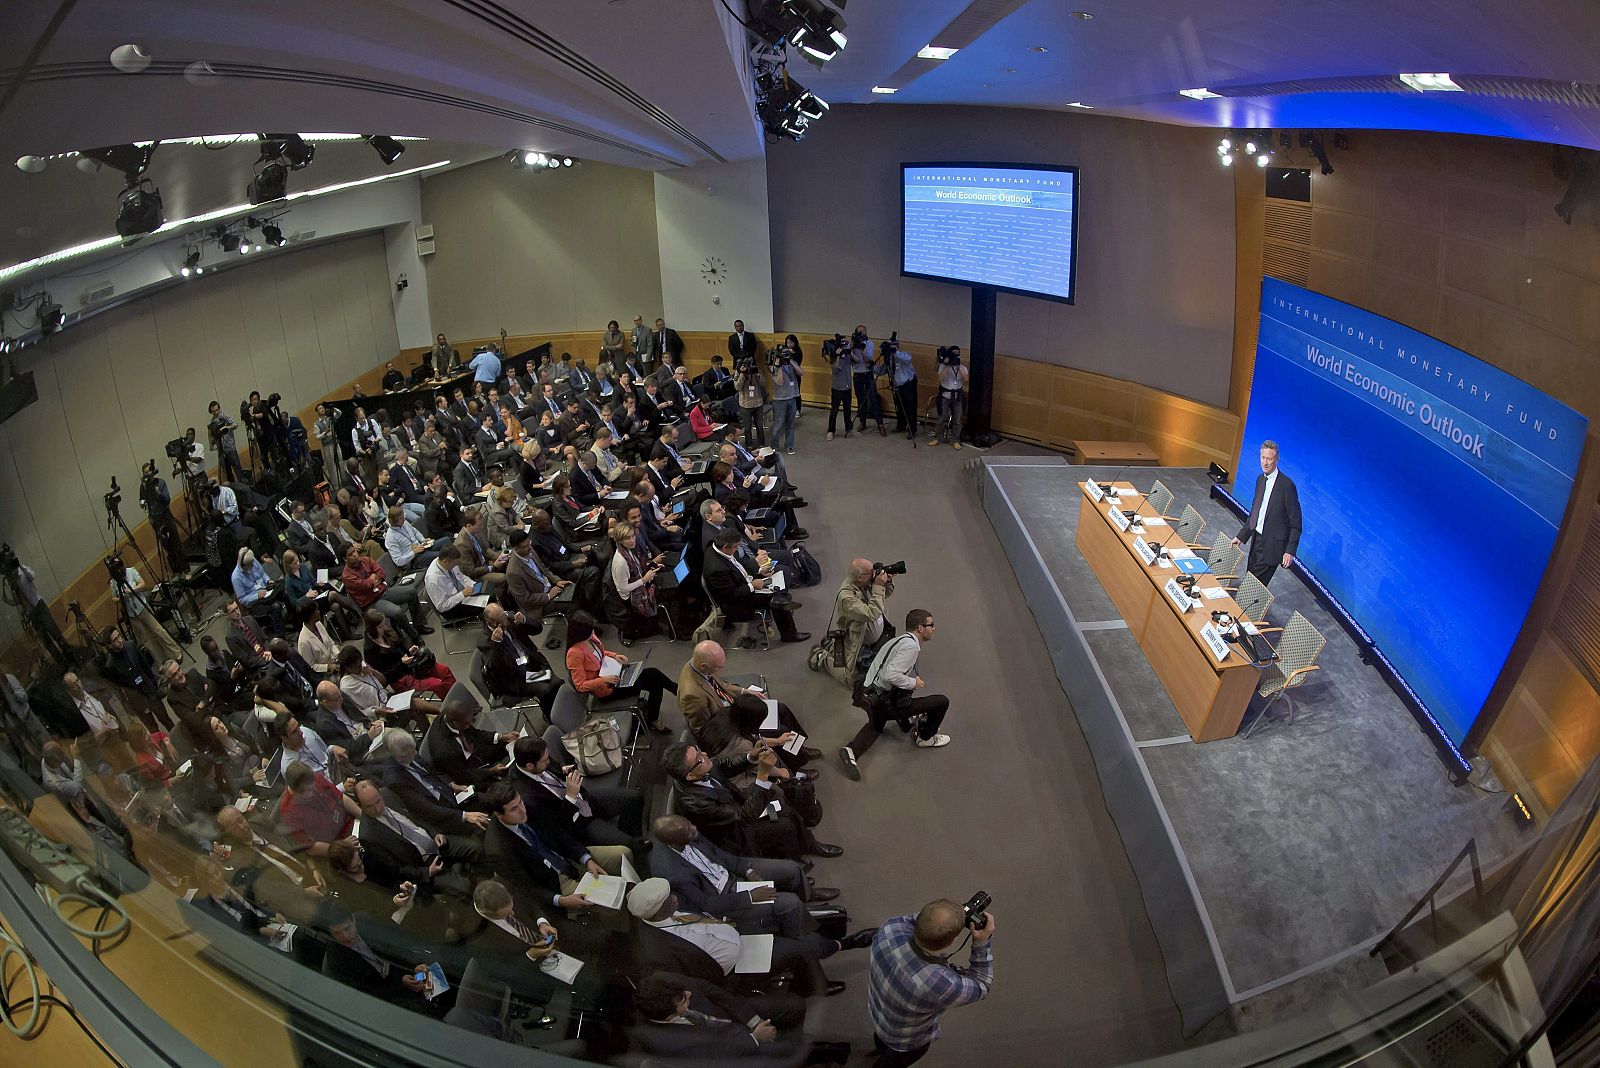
[(1080, 104), (1008, 70), (1431, 83), (884, 90), (1082, 16), (934, 52), (1199, 94), (1041, 49)]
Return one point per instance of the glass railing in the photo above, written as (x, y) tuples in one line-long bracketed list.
[(209, 939)]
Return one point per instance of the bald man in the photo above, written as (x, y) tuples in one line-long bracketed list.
[(337, 721), (703, 694), (911, 982), (858, 609)]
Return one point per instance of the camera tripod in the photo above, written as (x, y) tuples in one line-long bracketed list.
[(160, 595)]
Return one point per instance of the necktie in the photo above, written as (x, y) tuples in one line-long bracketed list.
[(455, 580), (552, 860), (524, 932), (418, 841), (561, 788)]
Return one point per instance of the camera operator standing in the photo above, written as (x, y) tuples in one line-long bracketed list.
[(837, 353), (903, 377), (952, 397), (156, 500), (127, 585), (21, 590), (889, 691), (911, 982), (222, 439), (864, 372), (784, 364)]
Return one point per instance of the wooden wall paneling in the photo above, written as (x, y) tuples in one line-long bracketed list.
[(380, 304), (355, 309)]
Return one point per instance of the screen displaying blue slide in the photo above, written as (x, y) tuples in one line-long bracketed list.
[(1432, 486), (1007, 226)]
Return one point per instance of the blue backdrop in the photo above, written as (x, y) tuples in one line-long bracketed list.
[(1431, 483)]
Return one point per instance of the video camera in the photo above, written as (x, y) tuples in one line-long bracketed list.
[(976, 907), (744, 365), (896, 568), (8, 559), (949, 355), (178, 449), (890, 347), (835, 347)]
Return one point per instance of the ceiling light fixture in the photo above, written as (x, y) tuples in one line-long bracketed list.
[(227, 240), (292, 149), (270, 183), (387, 148), (881, 90), (1199, 94), (50, 316), (191, 264), (130, 58), (1040, 49), (1081, 104), (1082, 16), (35, 164), (1227, 159), (934, 52), (1431, 83), (820, 33), (139, 211), (272, 234)]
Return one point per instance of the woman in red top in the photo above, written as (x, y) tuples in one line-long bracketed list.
[(585, 656), (701, 421)]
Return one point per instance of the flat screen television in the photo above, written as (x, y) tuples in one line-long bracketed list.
[(1006, 226)]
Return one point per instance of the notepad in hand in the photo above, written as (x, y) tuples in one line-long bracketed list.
[(464, 794), (322, 574), (400, 701), (768, 483), (795, 744), (607, 891), (480, 601), (771, 722), (779, 582)]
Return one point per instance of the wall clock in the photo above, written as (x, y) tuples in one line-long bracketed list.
[(714, 271)]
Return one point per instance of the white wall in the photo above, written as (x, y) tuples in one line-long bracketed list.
[(715, 210)]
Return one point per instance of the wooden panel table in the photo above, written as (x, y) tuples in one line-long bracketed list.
[(1127, 453), (1211, 696)]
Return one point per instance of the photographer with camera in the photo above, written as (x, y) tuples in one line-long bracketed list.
[(836, 351), (903, 379), (156, 500), (864, 371), (889, 692), (911, 982), (784, 365), (223, 440), (859, 626), (127, 585), (952, 397), (22, 592)]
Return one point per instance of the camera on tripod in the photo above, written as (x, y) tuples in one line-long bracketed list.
[(115, 567), (975, 908), (113, 497), (8, 559), (177, 449), (949, 355), (834, 347)]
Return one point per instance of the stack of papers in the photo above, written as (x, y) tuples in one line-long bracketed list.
[(607, 891), (400, 701), (755, 955), (561, 966), (771, 722)]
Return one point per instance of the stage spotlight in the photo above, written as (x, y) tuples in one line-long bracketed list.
[(1261, 160), (387, 148), (271, 233), (772, 20), (270, 183), (1227, 159), (131, 160), (50, 316), (139, 211), (130, 58), (1319, 150), (228, 241), (1250, 146), (290, 148), (552, 163), (191, 264), (566, 161)]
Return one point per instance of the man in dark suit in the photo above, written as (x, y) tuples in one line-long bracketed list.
[(469, 477), (741, 343), (593, 815), (510, 949), (511, 655), (685, 1020), (737, 594), (574, 425), (397, 849), (404, 479), (426, 797), (531, 587), (463, 753), (1273, 526), (664, 341), (541, 865), (353, 962), (741, 819), (338, 722)]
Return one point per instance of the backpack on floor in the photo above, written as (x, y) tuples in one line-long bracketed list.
[(807, 571)]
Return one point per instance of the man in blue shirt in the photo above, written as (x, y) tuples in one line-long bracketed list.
[(254, 589), (911, 981), (486, 367)]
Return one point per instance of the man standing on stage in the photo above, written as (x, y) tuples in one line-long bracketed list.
[(1273, 528)]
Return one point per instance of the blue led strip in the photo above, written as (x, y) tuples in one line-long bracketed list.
[(1448, 753)]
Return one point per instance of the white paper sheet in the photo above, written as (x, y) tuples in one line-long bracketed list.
[(771, 722), (779, 582), (400, 701), (480, 601), (607, 891), (1153, 521), (561, 966), (464, 794), (629, 875), (795, 744), (755, 955), (610, 667), (322, 574)]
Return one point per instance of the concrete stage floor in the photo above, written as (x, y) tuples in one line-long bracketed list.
[(1265, 861)]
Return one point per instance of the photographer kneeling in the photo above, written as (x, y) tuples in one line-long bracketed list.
[(859, 624), (888, 692), (911, 981)]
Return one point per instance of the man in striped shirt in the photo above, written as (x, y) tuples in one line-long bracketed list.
[(911, 981)]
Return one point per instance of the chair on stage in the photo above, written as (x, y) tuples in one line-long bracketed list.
[(1297, 651), (1191, 527), (1253, 599), (1225, 559), (1160, 499)]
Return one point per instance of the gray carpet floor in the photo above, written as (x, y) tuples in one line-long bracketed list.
[(1305, 840)]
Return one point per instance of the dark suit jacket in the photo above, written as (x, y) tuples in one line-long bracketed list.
[(673, 344), (1281, 532), (526, 590), (407, 484), (240, 647), (467, 482), (501, 670), (441, 518), (353, 970), (695, 892), (441, 750), (751, 347), (437, 815), (585, 487), (532, 882), (723, 812), (389, 859), (727, 587), (333, 732)]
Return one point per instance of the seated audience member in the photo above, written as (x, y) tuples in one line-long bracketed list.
[(738, 595), (399, 850), (586, 485), (480, 561), (369, 690), (62, 773), (353, 962), (427, 797), (469, 476), (218, 899), (506, 950), (228, 678), (313, 812), (409, 548), (530, 586), (316, 643), (562, 561), (704, 876), (594, 815), (405, 667), (448, 588), (290, 670), (264, 868), (301, 588), (444, 513), (247, 640), (464, 753), (685, 1020), (632, 581), (662, 529), (257, 592), (365, 583), (540, 865), (703, 693), (303, 745), (608, 467), (736, 731), (574, 425), (514, 668), (741, 819), (590, 674), (580, 521), (500, 517), (703, 421), (336, 719)]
